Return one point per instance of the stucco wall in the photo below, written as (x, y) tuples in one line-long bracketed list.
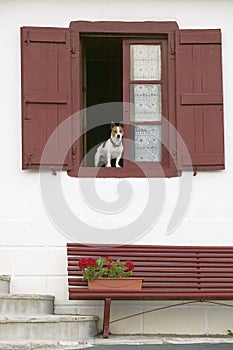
[(32, 249)]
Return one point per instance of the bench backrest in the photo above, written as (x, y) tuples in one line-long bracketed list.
[(166, 270)]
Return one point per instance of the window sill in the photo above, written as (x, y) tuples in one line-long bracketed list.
[(134, 172)]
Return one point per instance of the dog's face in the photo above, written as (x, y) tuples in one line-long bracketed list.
[(117, 132)]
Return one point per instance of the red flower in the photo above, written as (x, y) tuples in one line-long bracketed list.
[(83, 262), (129, 265), (108, 259), (86, 262), (91, 262)]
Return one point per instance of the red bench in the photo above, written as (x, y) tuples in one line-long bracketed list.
[(168, 272)]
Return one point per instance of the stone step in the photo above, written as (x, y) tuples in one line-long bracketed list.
[(26, 304), (28, 345), (42, 345), (4, 284), (48, 328)]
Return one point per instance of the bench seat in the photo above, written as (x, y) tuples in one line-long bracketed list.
[(168, 272)]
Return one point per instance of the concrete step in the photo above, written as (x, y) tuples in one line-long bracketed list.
[(42, 345), (48, 328), (4, 284), (26, 304), (27, 345)]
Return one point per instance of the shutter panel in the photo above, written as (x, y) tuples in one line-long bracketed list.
[(46, 95), (199, 99)]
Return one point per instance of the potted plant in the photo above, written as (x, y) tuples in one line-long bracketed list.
[(106, 273)]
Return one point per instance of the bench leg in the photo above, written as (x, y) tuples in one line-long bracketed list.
[(107, 305)]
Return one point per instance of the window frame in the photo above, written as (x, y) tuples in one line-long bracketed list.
[(169, 30)]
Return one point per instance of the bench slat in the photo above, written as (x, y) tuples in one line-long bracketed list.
[(160, 295), (142, 248)]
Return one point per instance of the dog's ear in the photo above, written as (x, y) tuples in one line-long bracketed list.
[(112, 125), (121, 124)]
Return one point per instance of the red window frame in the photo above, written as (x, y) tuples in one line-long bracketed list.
[(138, 31)]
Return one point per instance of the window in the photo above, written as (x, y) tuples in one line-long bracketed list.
[(165, 77), (145, 88)]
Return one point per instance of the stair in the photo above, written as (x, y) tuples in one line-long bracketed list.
[(27, 321), (4, 284), (23, 304), (28, 345)]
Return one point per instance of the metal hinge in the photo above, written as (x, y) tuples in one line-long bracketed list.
[(53, 171), (73, 48), (174, 154), (173, 51), (74, 150), (26, 111), (27, 40), (73, 51), (29, 160)]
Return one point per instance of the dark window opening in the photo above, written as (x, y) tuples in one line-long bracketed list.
[(102, 83)]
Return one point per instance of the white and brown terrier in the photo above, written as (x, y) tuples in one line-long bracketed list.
[(112, 148)]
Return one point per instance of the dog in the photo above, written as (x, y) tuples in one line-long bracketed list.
[(112, 148)]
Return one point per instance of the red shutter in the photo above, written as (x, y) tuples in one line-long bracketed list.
[(199, 99), (46, 95)]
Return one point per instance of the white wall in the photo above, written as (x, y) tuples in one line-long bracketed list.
[(32, 248)]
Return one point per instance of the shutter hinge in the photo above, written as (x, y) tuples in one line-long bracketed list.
[(73, 52), (173, 51), (53, 171), (26, 111), (74, 150), (29, 160), (73, 48), (27, 40), (174, 154)]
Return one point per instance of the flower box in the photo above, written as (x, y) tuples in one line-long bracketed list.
[(130, 283), (105, 268)]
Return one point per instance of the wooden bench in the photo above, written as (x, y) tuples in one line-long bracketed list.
[(168, 272)]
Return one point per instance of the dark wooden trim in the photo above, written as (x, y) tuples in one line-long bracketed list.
[(43, 97), (39, 99), (202, 36), (76, 96), (107, 306), (123, 27), (201, 99), (146, 171), (202, 159), (45, 34)]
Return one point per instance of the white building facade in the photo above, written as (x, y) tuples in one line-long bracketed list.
[(32, 242)]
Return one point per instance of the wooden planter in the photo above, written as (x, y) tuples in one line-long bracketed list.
[(130, 283)]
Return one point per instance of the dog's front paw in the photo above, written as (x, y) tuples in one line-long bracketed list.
[(108, 165), (118, 166)]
